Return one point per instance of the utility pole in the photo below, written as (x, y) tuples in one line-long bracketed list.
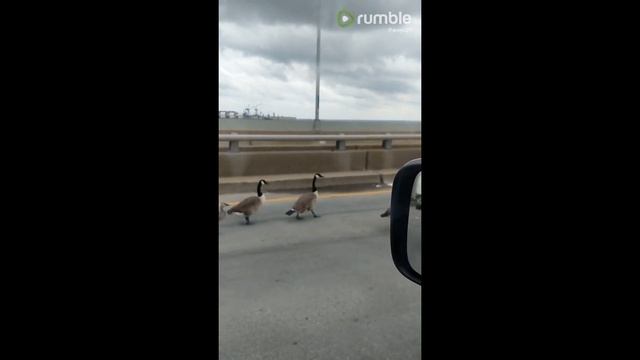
[(316, 121)]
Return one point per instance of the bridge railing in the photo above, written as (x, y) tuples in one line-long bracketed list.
[(340, 139)]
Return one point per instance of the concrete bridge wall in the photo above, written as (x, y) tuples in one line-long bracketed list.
[(296, 162)]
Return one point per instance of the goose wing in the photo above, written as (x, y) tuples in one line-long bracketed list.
[(304, 202), (245, 205)]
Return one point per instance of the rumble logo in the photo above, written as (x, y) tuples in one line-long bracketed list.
[(345, 18)]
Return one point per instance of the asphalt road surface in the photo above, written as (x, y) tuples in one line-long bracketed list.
[(317, 288)]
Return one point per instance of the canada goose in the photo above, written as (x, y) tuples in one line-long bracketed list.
[(250, 205), (386, 213), (306, 201), (222, 213)]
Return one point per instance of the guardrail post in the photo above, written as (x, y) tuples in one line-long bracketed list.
[(234, 145), (341, 144), (386, 143)]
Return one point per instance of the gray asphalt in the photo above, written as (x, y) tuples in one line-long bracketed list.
[(317, 288)]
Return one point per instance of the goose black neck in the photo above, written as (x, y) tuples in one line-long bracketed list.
[(313, 185), (259, 188)]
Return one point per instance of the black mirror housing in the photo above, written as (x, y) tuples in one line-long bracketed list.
[(400, 204)]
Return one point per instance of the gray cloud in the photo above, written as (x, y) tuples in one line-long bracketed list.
[(307, 12), (267, 55)]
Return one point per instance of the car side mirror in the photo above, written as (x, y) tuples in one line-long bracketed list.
[(406, 221)]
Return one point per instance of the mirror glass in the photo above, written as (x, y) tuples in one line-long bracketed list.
[(414, 227)]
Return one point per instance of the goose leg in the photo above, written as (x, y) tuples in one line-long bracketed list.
[(248, 222), (314, 213), (298, 216)]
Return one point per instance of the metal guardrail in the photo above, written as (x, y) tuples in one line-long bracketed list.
[(340, 139)]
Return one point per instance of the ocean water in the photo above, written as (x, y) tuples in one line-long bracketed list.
[(304, 125)]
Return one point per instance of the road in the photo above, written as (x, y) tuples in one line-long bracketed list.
[(317, 288)]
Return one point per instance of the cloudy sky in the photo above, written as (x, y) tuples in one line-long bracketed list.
[(267, 56)]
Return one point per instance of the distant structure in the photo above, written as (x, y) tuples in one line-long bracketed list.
[(228, 115), (246, 114)]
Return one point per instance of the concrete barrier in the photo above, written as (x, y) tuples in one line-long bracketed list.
[(391, 159), (289, 182), (290, 162), (299, 162), (256, 163)]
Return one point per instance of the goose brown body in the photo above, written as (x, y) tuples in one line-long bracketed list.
[(250, 205), (306, 202)]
